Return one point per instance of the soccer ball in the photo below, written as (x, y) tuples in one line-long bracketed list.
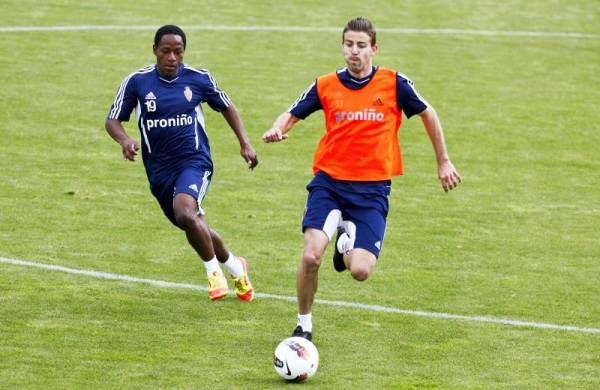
[(296, 359)]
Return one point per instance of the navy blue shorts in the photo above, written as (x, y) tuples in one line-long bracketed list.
[(192, 181), (363, 207)]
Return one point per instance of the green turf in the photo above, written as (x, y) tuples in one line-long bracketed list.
[(517, 240)]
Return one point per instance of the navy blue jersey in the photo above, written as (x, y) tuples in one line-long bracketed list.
[(408, 99), (169, 116)]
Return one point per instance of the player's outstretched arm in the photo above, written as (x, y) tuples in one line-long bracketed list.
[(128, 145), (448, 175), (278, 132), (234, 120)]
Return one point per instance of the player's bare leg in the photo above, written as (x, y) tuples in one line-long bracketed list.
[(199, 237), (360, 262), (196, 229), (315, 242), (221, 250), (307, 276)]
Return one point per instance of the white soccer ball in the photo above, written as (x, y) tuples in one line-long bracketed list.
[(296, 359)]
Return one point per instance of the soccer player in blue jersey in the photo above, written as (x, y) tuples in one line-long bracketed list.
[(167, 98), (355, 161)]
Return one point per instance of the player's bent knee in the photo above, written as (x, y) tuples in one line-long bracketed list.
[(361, 264), (186, 220), (311, 259), (361, 270), (360, 274)]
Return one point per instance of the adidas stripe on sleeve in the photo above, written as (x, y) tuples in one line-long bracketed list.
[(126, 99)]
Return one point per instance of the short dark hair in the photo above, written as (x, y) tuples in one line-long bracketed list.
[(361, 24), (168, 30)]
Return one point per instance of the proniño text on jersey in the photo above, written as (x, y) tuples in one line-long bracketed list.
[(179, 120), (365, 115)]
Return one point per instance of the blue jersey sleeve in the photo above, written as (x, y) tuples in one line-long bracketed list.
[(307, 103), (213, 95), (408, 98), (125, 101)]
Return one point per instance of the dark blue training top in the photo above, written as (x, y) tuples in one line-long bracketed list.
[(170, 117)]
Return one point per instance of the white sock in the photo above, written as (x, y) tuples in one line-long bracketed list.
[(305, 321), (346, 241), (343, 243), (234, 266), (212, 266)]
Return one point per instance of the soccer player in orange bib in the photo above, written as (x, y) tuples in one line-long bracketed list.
[(355, 161)]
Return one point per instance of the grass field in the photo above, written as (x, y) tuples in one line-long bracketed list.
[(494, 285)]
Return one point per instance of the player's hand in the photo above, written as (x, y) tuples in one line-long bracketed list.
[(249, 155), (274, 134), (130, 149), (449, 176)]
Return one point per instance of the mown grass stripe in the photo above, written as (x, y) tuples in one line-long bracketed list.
[(403, 31), (352, 305)]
